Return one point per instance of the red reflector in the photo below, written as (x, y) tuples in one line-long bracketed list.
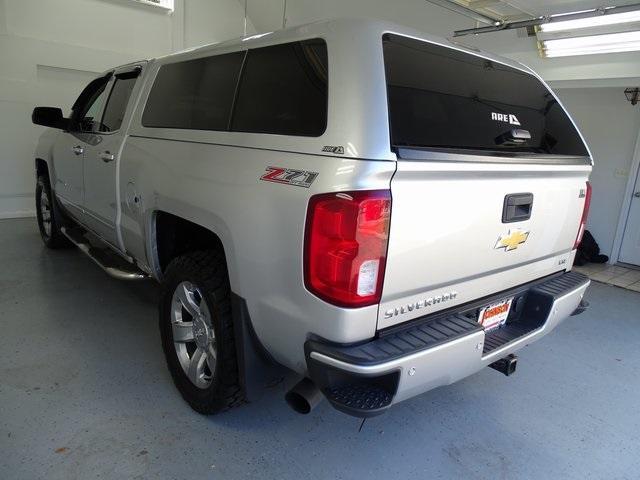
[(585, 214), (346, 246)]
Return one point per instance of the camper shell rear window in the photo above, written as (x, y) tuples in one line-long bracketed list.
[(442, 98)]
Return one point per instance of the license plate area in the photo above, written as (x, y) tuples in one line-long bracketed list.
[(495, 315)]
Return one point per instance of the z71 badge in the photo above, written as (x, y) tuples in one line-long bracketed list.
[(289, 176)]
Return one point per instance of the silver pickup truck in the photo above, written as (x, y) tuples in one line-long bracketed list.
[(376, 210)]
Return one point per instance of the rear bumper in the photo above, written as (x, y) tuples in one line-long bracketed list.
[(366, 379)]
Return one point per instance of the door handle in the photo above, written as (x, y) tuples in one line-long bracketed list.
[(107, 156), (637, 194), (78, 150), (517, 207)]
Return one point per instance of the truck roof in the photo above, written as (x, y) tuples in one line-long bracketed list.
[(337, 28), (357, 115)]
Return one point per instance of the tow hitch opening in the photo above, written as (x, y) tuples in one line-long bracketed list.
[(506, 365)]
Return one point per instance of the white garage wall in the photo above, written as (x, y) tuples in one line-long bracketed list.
[(210, 21), (611, 126), (267, 14), (50, 49)]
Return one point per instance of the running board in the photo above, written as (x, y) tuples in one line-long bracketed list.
[(112, 263)]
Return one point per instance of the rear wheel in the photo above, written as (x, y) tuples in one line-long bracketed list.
[(197, 332), (49, 222)]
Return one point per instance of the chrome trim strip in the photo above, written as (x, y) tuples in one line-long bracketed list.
[(465, 156)]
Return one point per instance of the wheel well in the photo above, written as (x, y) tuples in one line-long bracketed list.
[(176, 236), (42, 169)]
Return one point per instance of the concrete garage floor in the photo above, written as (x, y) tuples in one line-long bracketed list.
[(84, 393)]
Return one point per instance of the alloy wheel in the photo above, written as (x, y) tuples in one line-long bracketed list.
[(45, 212), (193, 335)]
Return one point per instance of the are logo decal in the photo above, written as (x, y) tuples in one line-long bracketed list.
[(338, 149), (289, 176), (506, 118)]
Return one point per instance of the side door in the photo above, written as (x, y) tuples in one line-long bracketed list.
[(630, 250), (102, 157), (68, 151)]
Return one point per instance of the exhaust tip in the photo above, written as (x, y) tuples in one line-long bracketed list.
[(297, 402), (304, 396)]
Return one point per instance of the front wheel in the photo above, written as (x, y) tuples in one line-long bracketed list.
[(48, 221), (197, 332)]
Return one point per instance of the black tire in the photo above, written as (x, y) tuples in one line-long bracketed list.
[(52, 236), (207, 270)]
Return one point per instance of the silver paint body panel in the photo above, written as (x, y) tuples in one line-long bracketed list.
[(261, 225), (212, 179)]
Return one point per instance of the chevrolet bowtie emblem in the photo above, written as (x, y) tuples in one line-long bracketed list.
[(512, 240)]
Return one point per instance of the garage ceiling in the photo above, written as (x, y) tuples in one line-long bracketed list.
[(512, 10)]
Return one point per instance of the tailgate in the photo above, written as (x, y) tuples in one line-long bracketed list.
[(448, 243)]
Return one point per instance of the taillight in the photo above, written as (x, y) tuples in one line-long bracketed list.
[(585, 214), (346, 246)]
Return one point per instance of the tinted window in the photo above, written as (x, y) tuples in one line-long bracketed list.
[(117, 103), (197, 94), (283, 90), (89, 122), (443, 98), (87, 108)]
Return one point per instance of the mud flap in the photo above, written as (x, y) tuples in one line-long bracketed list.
[(258, 371)]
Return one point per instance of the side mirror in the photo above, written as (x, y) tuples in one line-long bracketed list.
[(49, 117)]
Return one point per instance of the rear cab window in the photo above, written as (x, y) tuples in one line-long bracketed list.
[(283, 90), (441, 98), (194, 94)]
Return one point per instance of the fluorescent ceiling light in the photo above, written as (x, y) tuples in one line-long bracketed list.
[(608, 43), (607, 33), (598, 21)]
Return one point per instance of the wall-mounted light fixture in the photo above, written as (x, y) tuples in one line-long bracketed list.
[(633, 95)]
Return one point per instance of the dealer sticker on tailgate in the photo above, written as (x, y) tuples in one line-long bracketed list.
[(495, 315)]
